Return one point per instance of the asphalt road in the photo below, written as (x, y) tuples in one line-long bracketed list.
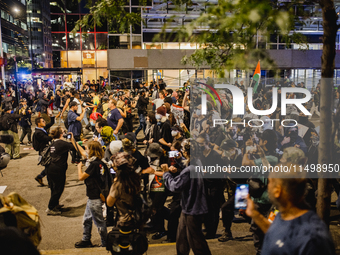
[(61, 232)]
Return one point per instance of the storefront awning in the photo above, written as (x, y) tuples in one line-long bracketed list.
[(56, 71)]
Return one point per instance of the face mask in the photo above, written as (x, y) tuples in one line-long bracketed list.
[(174, 133), (93, 124), (158, 116), (198, 112)]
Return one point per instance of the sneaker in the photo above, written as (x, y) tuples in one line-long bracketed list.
[(22, 144), (225, 237), (53, 212), (158, 235), (83, 244), (29, 143), (58, 207), (39, 180)]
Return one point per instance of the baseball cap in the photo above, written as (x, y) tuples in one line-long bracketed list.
[(95, 115), (129, 135)]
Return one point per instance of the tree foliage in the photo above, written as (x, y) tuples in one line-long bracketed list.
[(227, 33), (115, 13)]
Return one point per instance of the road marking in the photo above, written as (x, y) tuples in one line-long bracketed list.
[(99, 249)]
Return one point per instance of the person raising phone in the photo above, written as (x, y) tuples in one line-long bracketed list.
[(56, 171)]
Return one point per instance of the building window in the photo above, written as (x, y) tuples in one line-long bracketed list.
[(58, 41), (88, 41), (71, 21), (101, 58), (58, 22), (89, 59), (101, 41), (74, 58), (73, 41)]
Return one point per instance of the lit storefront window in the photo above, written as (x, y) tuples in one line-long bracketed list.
[(89, 59), (74, 58), (102, 58)]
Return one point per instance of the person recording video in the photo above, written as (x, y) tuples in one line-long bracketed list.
[(56, 170)]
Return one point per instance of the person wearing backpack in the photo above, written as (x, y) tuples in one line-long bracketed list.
[(56, 170), (9, 123), (125, 186), (41, 139), (94, 186)]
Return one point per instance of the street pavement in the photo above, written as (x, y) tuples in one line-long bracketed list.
[(60, 233)]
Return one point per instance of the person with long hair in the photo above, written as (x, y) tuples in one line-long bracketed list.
[(56, 170), (125, 186), (93, 181)]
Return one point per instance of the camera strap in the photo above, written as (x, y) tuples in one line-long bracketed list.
[(79, 154)]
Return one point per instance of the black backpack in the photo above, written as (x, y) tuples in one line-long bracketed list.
[(5, 122), (46, 158), (126, 242)]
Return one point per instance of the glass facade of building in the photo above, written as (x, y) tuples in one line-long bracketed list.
[(86, 49), (14, 33)]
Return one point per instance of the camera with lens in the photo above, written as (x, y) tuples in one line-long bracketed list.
[(67, 136)]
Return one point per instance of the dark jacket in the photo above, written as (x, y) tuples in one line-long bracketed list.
[(42, 137), (25, 120), (142, 104), (13, 120), (44, 104), (191, 185)]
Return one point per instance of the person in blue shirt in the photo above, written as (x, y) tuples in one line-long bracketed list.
[(114, 118), (74, 126), (74, 120), (296, 229)]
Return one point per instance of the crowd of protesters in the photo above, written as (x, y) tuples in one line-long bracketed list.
[(156, 158)]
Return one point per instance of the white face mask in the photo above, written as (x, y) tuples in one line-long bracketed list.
[(198, 112), (158, 116), (174, 133)]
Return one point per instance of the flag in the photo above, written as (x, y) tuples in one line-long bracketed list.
[(257, 77)]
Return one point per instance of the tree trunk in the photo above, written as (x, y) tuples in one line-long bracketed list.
[(326, 98)]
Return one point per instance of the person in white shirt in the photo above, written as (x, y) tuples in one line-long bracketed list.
[(159, 101)]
